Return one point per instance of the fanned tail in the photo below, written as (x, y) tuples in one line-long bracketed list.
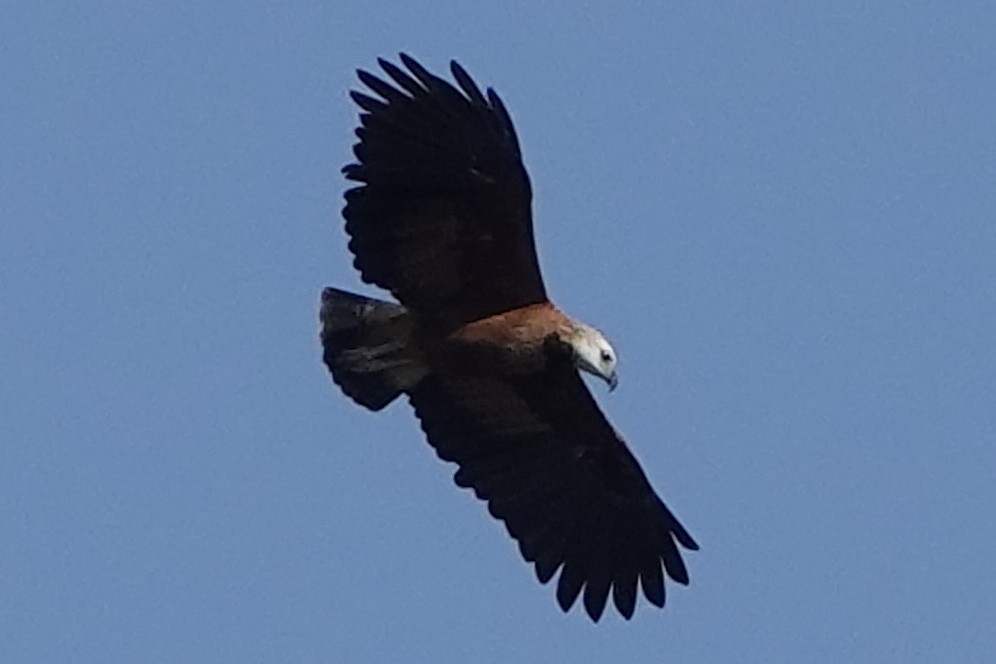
[(367, 346)]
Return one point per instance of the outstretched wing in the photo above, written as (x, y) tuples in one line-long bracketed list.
[(442, 217), (543, 456)]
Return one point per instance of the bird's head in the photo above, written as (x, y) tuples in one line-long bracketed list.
[(594, 354)]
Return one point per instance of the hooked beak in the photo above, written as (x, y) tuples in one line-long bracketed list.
[(612, 380)]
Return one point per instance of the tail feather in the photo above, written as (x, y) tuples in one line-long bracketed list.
[(367, 346)]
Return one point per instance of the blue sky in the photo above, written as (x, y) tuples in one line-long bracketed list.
[(781, 213)]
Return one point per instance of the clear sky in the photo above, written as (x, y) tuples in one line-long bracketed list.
[(782, 213)]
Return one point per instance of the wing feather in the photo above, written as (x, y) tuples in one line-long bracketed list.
[(467, 84), (550, 466)]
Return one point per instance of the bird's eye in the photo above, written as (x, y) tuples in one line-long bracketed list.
[(606, 356)]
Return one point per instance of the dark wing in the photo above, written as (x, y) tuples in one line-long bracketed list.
[(543, 456), (442, 218)]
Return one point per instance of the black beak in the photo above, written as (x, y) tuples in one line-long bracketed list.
[(613, 380)]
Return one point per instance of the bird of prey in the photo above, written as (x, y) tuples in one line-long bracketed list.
[(441, 219)]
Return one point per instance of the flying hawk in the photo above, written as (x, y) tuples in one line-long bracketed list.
[(441, 219)]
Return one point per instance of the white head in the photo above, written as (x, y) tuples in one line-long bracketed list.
[(594, 354)]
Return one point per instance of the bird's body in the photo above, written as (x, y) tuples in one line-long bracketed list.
[(442, 220), (514, 342)]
